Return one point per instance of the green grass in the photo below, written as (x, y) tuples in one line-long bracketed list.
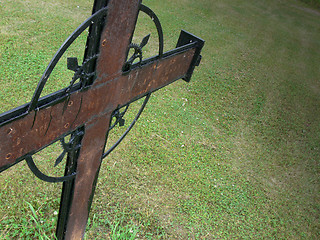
[(314, 3), (234, 154)]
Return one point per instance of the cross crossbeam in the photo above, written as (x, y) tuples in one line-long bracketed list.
[(85, 110)]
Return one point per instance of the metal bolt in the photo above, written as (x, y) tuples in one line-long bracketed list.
[(10, 130)]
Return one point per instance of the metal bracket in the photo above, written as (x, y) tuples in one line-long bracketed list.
[(187, 38)]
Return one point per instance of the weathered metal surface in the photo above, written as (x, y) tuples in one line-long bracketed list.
[(88, 165), (115, 39), (107, 82), (46, 125)]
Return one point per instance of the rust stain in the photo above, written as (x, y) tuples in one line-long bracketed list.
[(46, 125), (87, 169)]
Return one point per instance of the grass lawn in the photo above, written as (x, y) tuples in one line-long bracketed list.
[(314, 3), (234, 154)]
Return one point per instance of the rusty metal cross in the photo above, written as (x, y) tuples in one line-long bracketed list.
[(106, 81)]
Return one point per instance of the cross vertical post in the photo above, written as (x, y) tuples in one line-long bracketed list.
[(109, 80)]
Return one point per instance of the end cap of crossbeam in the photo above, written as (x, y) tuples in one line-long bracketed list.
[(186, 38)]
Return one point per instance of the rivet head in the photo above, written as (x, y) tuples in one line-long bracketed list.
[(9, 131)]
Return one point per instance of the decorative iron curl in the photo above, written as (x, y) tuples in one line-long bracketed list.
[(157, 23), (136, 54), (95, 17), (44, 177), (127, 66), (138, 48), (129, 128), (72, 145), (119, 117), (80, 71)]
